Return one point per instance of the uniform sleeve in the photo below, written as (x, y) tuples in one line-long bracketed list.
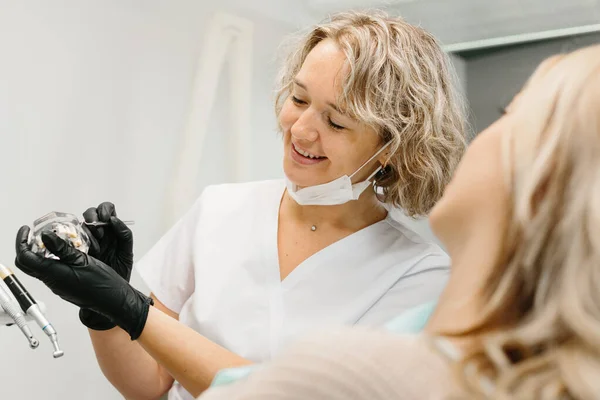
[(168, 268), (424, 285)]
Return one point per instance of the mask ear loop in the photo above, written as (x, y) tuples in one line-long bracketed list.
[(371, 159), (374, 173)]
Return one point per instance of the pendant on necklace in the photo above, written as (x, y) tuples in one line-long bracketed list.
[(313, 228)]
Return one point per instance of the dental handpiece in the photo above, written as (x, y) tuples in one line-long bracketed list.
[(13, 311), (30, 307)]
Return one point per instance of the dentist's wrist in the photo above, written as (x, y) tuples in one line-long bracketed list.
[(94, 320), (133, 316)]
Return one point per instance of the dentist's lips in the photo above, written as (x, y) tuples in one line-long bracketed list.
[(301, 159)]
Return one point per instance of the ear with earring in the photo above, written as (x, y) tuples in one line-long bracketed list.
[(386, 169), (383, 173)]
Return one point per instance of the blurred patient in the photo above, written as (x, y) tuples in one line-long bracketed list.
[(520, 317)]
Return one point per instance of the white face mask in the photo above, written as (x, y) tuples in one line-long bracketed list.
[(336, 192)]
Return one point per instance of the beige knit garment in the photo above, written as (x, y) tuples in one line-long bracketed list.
[(350, 364)]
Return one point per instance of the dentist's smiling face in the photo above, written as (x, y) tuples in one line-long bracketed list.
[(321, 143)]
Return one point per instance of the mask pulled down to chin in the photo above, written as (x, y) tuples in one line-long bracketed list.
[(339, 191)]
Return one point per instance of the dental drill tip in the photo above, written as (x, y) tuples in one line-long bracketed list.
[(57, 351), (36, 313), (33, 342)]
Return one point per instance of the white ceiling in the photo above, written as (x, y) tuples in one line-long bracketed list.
[(457, 21)]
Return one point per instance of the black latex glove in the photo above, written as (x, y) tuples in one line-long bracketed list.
[(84, 281), (113, 245)]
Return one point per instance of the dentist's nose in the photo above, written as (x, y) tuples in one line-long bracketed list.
[(305, 127)]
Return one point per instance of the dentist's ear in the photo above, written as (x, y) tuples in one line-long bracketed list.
[(385, 155), (383, 172)]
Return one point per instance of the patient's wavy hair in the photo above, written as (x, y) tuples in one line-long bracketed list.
[(543, 300), (402, 84)]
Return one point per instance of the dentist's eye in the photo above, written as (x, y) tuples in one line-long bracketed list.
[(297, 101), (335, 126)]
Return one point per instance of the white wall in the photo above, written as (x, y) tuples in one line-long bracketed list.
[(93, 98)]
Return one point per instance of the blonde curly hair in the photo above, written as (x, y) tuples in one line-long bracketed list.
[(543, 299), (401, 83)]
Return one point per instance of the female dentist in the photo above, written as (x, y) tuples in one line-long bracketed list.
[(370, 120)]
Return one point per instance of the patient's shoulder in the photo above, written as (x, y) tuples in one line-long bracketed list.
[(403, 366), (348, 364)]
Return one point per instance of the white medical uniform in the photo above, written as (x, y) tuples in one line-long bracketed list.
[(218, 268)]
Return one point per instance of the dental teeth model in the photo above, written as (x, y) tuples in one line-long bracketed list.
[(66, 226)]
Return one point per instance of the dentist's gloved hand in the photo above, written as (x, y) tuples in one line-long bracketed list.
[(84, 281), (113, 245)]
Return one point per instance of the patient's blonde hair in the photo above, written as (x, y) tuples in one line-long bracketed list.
[(401, 84), (543, 300)]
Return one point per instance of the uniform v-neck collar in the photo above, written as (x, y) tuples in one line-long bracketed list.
[(321, 257)]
